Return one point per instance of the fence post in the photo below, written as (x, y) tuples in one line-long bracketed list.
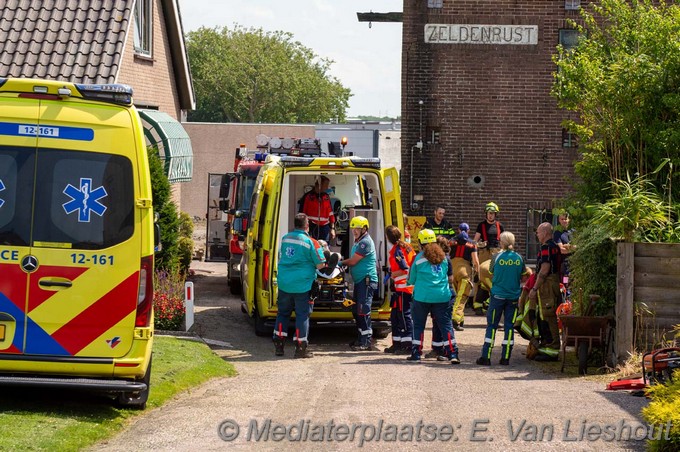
[(625, 272), (188, 305)]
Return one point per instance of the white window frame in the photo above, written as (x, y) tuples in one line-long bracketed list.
[(571, 5), (143, 32)]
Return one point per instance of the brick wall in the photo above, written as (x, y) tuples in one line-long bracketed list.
[(500, 134), (151, 78)]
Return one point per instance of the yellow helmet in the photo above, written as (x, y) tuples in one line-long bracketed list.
[(492, 207), (358, 222), (426, 236)]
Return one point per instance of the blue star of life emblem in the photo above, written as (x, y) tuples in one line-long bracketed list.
[(290, 251), (2, 187), (84, 200)]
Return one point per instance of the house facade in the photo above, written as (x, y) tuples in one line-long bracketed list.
[(134, 42)]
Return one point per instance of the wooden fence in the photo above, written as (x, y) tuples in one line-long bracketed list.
[(647, 274)]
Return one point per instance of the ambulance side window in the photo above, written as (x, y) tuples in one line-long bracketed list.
[(85, 199), (16, 192)]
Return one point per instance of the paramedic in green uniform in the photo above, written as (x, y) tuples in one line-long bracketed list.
[(363, 266), (508, 269), (299, 258)]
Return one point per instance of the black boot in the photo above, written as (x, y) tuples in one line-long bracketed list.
[(391, 349), (404, 349), (301, 351), (278, 346)]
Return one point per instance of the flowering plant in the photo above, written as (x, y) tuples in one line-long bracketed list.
[(168, 301)]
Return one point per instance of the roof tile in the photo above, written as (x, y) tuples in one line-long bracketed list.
[(80, 40)]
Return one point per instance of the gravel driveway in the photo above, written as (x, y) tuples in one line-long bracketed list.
[(341, 397)]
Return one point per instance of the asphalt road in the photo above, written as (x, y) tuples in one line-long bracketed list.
[(340, 399)]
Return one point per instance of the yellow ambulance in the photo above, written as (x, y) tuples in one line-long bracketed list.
[(76, 239), (359, 187)]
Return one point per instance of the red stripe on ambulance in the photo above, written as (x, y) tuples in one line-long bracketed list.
[(13, 284), (99, 317), (38, 295)]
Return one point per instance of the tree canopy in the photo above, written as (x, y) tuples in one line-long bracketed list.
[(249, 75), (623, 81)]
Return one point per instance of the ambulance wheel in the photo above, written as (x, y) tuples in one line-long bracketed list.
[(261, 328), (582, 352), (136, 400)]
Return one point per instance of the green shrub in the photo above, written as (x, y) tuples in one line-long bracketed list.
[(664, 407), (593, 266), (186, 225), (168, 220), (168, 301), (185, 252), (634, 207)]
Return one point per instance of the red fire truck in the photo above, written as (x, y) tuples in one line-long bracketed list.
[(236, 191)]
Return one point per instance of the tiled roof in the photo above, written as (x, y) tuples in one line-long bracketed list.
[(75, 40)]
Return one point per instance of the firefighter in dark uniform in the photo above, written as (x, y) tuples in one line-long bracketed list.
[(464, 259), (489, 232), (400, 258), (316, 204), (562, 238), (487, 237), (439, 225), (545, 294)]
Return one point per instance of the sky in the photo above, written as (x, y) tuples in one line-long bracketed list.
[(366, 60)]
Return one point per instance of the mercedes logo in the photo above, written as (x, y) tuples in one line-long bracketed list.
[(29, 264)]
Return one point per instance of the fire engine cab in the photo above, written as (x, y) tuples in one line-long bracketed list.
[(228, 212)]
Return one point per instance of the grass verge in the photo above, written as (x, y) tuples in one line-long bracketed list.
[(71, 420)]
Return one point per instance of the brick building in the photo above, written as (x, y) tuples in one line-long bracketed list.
[(476, 80)]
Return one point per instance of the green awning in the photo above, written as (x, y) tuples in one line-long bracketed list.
[(173, 142)]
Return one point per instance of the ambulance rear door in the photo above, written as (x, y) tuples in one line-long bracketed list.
[(392, 198), (17, 162), (86, 239)]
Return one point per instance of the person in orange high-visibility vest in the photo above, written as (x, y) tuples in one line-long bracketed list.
[(316, 204), (400, 258)]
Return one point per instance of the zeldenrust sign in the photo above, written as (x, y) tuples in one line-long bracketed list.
[(481, 34)]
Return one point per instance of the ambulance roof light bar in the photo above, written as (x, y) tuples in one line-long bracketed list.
[(370, 162), (113, 93), (289, 146)]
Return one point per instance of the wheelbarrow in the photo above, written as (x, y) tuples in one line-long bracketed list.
[(586, 333)]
